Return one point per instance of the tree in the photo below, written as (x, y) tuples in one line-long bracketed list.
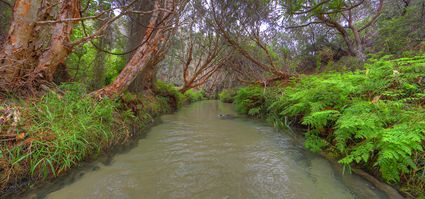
[(349, 18), (160, 23), (36, 46), (200, 50), (250, 32)]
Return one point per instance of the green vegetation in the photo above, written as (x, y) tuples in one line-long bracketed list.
[(227, 95), (48, 136), (194, 96), (372, 118)]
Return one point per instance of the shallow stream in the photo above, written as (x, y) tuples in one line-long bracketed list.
[(193, 153)]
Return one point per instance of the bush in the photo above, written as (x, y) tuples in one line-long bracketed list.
[(194, 96), (227, 95), (168, 90), (250, 100)]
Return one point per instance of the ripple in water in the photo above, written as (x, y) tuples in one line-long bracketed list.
[(194, 154)]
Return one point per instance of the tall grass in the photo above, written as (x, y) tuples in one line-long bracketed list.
[(63, 131), (57, 132)]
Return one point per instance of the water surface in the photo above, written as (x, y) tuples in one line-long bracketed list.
[(195, 154)]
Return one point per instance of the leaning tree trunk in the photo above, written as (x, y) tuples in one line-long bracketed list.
[(145, 81), (138, 61)]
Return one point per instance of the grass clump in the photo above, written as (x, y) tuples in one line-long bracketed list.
[(58, 132), (372, 118), (43, 138)]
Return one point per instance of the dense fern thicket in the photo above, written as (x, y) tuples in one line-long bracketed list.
[(372, 118), (44, 138)]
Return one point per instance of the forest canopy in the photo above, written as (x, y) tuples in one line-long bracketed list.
[(108, 45)]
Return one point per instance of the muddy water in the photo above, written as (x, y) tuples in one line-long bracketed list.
[(195, 154)]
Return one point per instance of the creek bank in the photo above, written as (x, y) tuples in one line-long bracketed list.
[(195, 154), (44, 138), (370, 119)]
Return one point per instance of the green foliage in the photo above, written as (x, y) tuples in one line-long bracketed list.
[(373, 117), (168, 90), (60, 131), (250, 100), (227, 95), (398, 34), (194, 96), (64, 130), (320, 119), (314, 142)]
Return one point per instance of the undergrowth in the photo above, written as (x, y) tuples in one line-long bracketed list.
[(372, 118), (227, 95), (44, 138), (194, 96)]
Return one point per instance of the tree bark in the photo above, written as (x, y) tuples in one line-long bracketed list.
[(138, 61), (58, 51), (23, 64), (137, 28), (18, 48)]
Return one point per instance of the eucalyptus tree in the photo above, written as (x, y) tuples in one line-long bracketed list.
[(250, 28), (39, 40), (161, 24), (349, 18), (201, 52)]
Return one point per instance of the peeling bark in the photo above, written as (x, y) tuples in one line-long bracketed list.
[(138, 61), (23, 63), (15, 56), (58, 51)]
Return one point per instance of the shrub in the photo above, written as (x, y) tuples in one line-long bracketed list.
[(227, 95), (250, 100), (194, 96), (168, 90)]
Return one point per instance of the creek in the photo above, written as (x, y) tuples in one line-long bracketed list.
[(193, 153)]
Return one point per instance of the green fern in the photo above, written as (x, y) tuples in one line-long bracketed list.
[(320, 119)]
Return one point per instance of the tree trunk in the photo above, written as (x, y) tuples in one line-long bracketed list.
[(58, 51), (23, 64), (137, 26), (138, 61), (136, 34), (145, 81), (17, 51)]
